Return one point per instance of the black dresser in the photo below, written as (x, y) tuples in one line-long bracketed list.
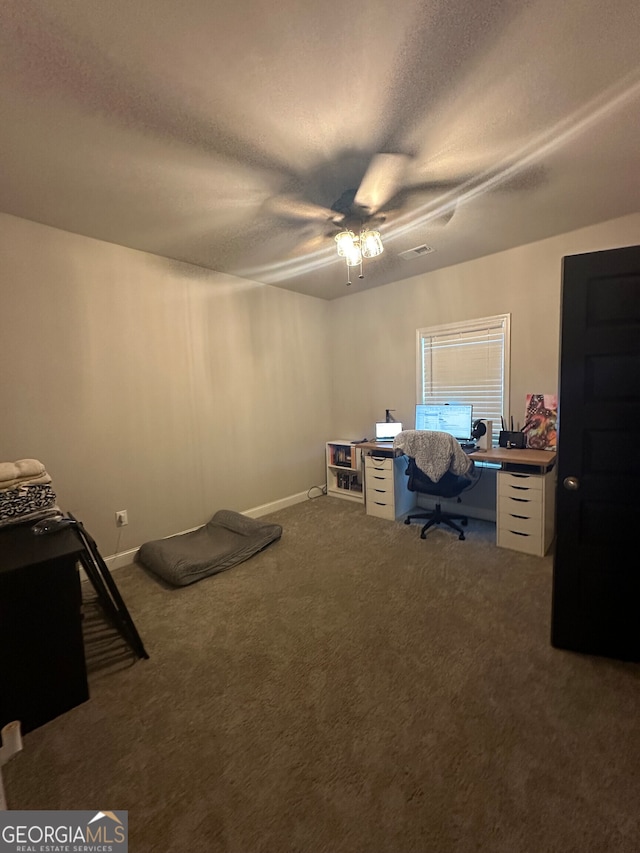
[(42, 662)]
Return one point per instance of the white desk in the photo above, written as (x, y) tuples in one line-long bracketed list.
[(525, 498), (536, 461), (525, 492)]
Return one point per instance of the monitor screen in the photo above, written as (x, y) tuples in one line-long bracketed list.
[(456, 419), (387, 432)]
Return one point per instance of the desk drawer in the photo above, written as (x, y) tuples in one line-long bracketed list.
[(376, 478), (528, 543), (379, 463), (525, 507), (381, 506), (510, 483), (381, 491), (517, 524)]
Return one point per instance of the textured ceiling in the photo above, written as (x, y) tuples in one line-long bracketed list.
[(178, 127)]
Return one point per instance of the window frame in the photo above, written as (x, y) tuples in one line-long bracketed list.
[(465, 326)]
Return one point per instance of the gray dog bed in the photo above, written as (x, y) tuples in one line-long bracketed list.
[(227, 539)]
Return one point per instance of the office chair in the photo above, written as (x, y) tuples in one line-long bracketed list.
[(437, 466)]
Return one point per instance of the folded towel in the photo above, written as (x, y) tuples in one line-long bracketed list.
[(22, 468), (23, 471), (32, 517), (25, 499), (12, 484)]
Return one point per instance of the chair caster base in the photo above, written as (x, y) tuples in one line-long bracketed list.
[(437, 517)]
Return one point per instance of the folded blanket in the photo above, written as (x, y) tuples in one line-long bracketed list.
[(23, 471), (31, 516), (435, 452), (11, 484), (23, 500)]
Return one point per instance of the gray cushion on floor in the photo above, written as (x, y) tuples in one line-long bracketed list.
[(227, 539)]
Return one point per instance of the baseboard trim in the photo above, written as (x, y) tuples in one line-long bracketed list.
[(274, 506), (125, 558)]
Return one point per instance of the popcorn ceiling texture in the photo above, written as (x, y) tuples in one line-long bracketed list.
[(171, 133)]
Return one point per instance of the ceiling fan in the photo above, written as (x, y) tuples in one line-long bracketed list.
[(355, 216)]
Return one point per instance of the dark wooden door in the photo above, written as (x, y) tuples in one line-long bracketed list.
[(596, 574)]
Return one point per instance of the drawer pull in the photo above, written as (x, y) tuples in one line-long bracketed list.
[(522, 500), (517, 533), (513, 515)]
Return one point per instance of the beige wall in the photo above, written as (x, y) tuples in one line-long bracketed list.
[(170, 391), (155, 386), (374, 333)]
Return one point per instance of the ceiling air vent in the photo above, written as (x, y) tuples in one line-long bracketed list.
[(416, 253)]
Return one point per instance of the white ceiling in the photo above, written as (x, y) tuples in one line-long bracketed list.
[(173, 127)]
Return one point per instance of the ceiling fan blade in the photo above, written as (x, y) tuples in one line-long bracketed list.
[(381, 181), (414, 194), (313, 244), (291, 207), (434, 220)]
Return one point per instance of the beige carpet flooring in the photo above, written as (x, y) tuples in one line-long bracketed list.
[(351, 688)]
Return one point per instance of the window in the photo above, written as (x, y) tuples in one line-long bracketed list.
[(467, 363)]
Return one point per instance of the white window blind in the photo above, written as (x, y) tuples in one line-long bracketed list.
[(467, 363)]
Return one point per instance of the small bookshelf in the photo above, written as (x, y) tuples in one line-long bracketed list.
[(344, 470)]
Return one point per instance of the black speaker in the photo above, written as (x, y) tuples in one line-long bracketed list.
[(509, 438)]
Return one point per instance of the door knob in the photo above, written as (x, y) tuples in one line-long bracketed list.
[(572, 484)]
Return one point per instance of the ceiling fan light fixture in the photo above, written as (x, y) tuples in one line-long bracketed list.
[(348, 246), (371, 244), (354, 257), (367, 244), (345, 243)]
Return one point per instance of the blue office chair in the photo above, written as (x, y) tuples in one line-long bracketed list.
[(448, 486), (437, 466)]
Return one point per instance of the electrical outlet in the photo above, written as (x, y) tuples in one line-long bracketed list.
[(122, 518)]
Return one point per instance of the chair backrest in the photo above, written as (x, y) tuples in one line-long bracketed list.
[(448, 486)]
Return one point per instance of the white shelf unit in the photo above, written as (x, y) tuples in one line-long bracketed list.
[(344, 470), (525, 511)]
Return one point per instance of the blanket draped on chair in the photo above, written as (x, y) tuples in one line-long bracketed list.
[(435, 452)]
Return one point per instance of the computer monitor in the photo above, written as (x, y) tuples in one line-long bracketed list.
[(386, 431), (454, 418)]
